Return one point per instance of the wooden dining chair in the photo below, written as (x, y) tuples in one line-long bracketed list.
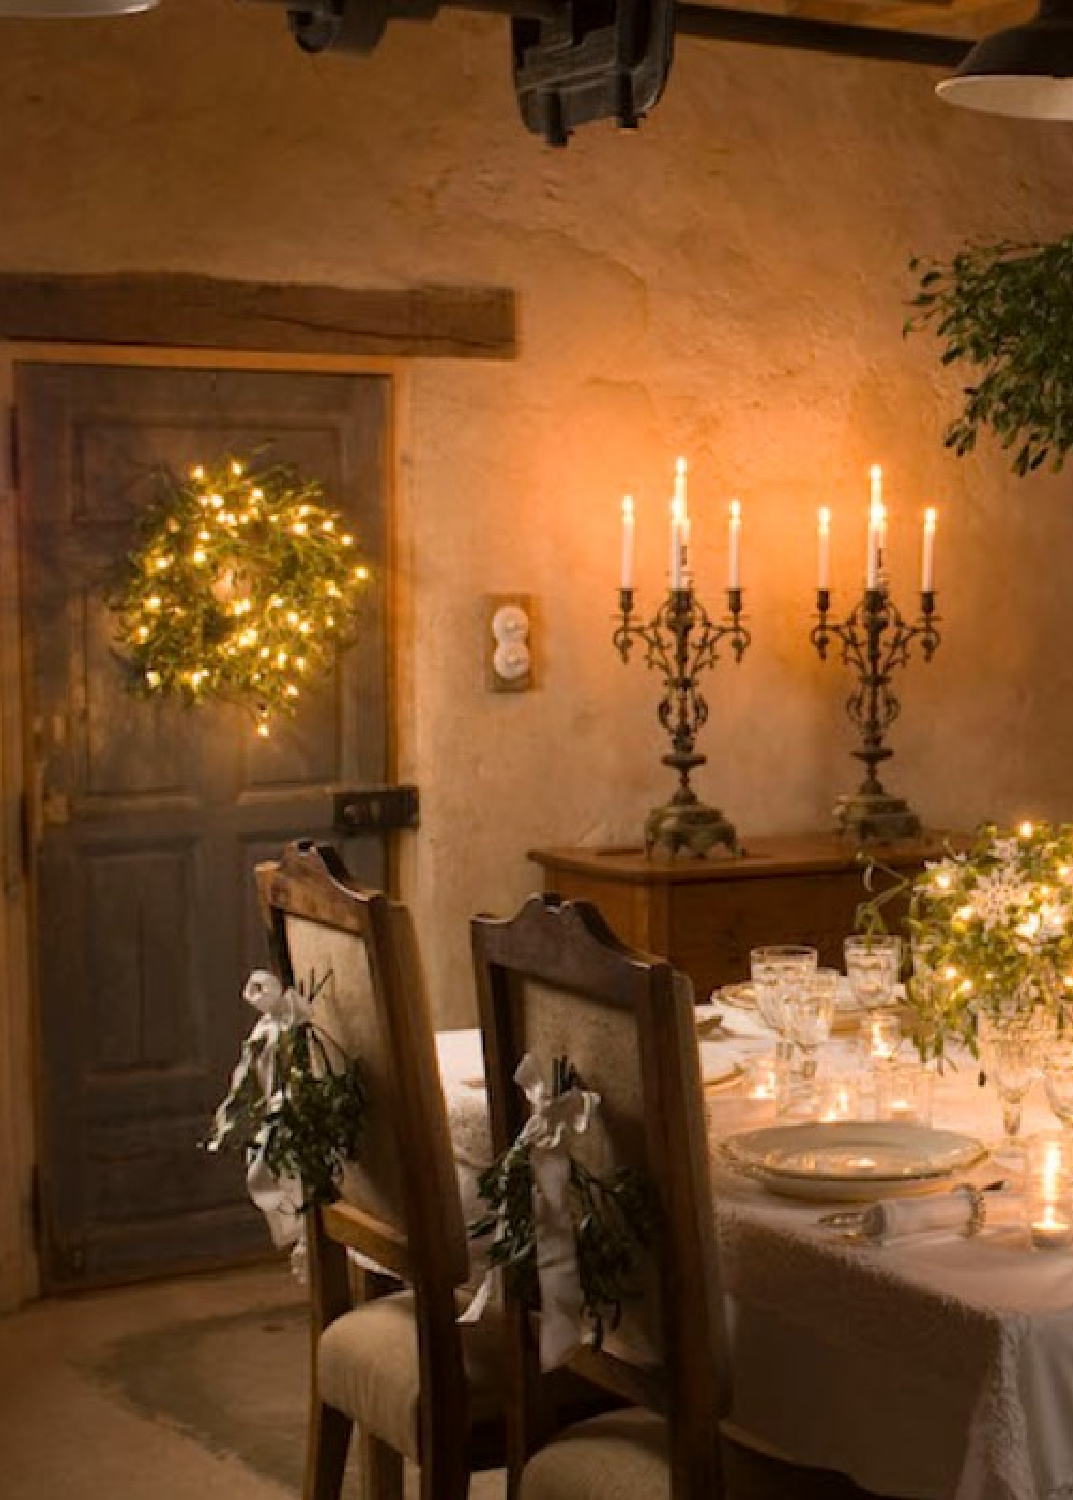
[(553, 981), (397, 1365)]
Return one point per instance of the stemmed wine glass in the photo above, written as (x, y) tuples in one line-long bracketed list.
[(1013, 1064), (809, 1013), (1058, 1082), (779, 970)]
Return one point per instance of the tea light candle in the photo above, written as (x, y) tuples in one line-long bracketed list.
[(1049, 1192), (760, 1078), (836, 1100), (903, 1091), (884, 1037)]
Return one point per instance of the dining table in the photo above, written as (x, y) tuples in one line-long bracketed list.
[(935, 1366)]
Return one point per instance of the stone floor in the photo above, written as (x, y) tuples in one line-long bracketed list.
[(64, 1433)]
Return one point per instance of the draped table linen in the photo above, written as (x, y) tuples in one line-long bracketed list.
[(936, 1367)]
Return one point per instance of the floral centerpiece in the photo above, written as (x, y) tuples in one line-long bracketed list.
[(991, 929)]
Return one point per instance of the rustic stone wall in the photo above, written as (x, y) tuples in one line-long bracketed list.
[(728, 283)]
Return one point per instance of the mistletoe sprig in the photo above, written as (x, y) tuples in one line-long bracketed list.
[(614, 1223), (242, 586), (1006, 310), (298, 1103)]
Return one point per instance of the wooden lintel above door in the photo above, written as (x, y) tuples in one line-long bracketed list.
[(206, 312)]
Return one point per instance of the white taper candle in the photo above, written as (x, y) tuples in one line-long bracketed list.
[(627, 541), (927, 552), (823, 541), (734, 558)]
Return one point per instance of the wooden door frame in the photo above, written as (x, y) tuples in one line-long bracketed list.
[(19, 1052)]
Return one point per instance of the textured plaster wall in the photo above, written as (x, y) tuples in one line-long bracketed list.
[(728, 283)]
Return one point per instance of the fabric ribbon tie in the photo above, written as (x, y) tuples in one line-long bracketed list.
[(278, 1198), (554, 1120)]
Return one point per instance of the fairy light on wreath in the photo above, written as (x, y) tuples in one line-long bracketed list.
[(243, 586)]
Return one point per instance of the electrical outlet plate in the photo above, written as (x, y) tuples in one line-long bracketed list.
[(508, 642)]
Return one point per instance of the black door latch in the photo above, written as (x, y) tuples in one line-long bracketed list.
[(374, 809)]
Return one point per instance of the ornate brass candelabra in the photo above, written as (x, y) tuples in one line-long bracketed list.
[(681, 641), (875, 639)]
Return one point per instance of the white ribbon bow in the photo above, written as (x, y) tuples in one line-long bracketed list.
[(278, 1198), (554, 1119)]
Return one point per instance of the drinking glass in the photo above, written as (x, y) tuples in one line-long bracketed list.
[(872, 968), (808, 1014), (779, 970), (1013, 1066), (1058, 1082)]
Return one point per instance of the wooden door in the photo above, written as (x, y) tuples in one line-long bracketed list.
[(147, 818)]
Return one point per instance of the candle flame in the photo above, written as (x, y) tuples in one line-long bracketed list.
[(627, 507), (825, 519), (929, 519), (735, 510)]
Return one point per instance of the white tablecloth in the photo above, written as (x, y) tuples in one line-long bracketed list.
[(935, 1368)]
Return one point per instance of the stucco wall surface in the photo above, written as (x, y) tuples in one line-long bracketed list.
[(729, 283)]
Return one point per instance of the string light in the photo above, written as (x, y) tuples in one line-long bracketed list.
[(237, 566)]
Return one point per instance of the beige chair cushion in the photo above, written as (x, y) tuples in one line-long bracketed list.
[(367, 1367), (620, 1456)]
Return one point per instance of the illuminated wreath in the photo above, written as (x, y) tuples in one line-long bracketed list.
[(242, 587)]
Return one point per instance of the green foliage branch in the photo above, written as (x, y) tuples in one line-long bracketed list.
[(614, 1218), (306, 1119), (1006, 310)]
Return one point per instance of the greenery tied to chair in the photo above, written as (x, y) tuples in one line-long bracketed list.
[(614, 1224), (298, 1102)]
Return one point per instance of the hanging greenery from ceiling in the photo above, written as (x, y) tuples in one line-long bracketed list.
[(242, 586), (1006, 310)]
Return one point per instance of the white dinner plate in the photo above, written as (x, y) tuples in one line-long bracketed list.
[(851, 1159)]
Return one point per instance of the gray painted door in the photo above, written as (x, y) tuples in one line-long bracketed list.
[(147, 818)]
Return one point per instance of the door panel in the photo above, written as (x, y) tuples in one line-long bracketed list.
[(150, 816)]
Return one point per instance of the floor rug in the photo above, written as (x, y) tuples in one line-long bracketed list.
[(236, 1384)]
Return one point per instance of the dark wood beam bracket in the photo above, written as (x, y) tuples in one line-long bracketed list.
[(204, 312)]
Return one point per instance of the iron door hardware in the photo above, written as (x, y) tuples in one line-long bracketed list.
[(375, 809)]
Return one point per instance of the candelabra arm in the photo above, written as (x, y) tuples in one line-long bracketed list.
[(682, 642), (876, 640)]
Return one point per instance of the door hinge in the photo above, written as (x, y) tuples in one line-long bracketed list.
[(375, 809)]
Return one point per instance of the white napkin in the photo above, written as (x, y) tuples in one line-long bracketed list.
[(897, 1218)]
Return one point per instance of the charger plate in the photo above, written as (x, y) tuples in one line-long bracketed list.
[(851, 1160)]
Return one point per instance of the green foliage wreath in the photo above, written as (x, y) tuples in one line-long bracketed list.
[(242, 586)]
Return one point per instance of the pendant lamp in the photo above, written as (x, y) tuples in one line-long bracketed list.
[(1026, 71), (32, 10)]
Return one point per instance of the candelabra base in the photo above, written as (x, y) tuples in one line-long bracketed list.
[(876, 816), (687, 826)]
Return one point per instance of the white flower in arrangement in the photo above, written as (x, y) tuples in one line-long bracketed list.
[(991, 930)]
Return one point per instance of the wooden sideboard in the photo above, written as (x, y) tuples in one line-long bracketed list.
[(705, 914)]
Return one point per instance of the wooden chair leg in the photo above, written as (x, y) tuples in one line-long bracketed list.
[(329, 1442), (381, 1470)]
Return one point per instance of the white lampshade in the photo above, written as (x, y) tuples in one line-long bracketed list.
[(1026, 71), (32, 10)]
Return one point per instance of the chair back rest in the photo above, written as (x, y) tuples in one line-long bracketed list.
[(553, 981), (354, 951)]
